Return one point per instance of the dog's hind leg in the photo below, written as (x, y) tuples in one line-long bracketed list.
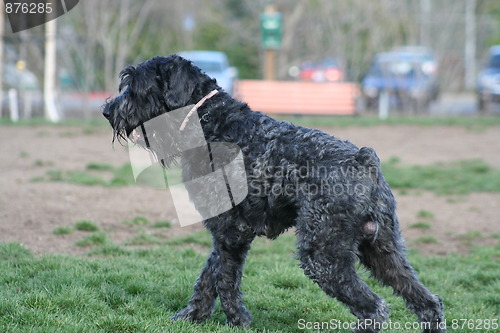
[(328, 258), (202, 302), (385, 257)]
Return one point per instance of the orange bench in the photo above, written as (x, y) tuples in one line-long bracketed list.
[(284, 97)]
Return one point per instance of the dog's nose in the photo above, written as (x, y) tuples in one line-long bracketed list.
[(105, 112)]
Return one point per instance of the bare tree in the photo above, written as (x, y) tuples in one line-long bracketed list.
[(103, 36)]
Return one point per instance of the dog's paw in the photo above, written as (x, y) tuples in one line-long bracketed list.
[(241, 319), (374, 322), (433, 318), (191, 314)]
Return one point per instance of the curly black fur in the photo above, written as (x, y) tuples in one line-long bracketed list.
[(332, 192)]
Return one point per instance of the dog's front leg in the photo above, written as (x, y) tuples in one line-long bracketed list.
[(230, 270), (202, 302)]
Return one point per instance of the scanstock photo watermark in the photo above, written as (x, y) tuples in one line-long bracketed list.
[(475, 325), (293, 180), (28, 14)]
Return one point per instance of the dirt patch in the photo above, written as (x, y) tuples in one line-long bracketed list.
[(31, 211), (420, 145)]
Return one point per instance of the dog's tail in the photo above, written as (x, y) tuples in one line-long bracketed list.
[(368, 159), (369, 165)]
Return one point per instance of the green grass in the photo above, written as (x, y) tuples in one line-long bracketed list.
[(426, 240), (72, 176), (99, 125), (470, 235), (472, 123), (198, 238), (85, 225), (470, 238), (94, 239), (92, 176), (421, 225), (97, 174), (461, 177), (36, 122), (118, 289), (99, 166), (122, 176), (62, 231), (137, 221), (40, 163), (162, 224), (425, 214), (144, 239)]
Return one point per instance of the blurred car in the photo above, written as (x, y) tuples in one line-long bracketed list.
[(18, 78), (326, 70), (409, 75), (216, 65), (488, 83)]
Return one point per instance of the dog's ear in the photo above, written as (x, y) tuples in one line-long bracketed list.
[(126, 77), (179, 82)]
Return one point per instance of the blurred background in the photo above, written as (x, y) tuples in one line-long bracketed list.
[(417, 80), (404, 56)]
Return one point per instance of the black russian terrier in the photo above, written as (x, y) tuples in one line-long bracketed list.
[(332, 192)]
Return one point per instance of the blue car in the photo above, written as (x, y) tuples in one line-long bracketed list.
[(409, 78), (488, 83)]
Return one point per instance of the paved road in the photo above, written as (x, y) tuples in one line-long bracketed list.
[(459, 104)]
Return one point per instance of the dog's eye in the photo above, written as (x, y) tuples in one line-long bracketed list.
[(162, 83), (122, 89)]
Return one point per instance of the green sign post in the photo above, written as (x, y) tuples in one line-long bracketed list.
[(271, 23), (270, 29)]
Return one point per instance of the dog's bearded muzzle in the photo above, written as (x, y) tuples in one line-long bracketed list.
[(120, 114), (106, 112), (117, 112)]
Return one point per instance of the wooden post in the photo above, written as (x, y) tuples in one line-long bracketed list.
[(270, 54), (270, 65)]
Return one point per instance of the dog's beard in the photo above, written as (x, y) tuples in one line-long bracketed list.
[(158, 145), (167, 138)]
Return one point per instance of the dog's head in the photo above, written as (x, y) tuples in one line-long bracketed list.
[(155, 87)]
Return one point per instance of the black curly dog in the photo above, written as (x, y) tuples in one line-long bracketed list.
[(332, 192)]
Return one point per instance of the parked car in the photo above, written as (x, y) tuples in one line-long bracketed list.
[(216, 65), (488, 82), (409, 75), (24, 84), (326, 70)]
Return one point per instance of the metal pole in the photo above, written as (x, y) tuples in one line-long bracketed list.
[(13, 105), (383, 105), (470, 43)]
